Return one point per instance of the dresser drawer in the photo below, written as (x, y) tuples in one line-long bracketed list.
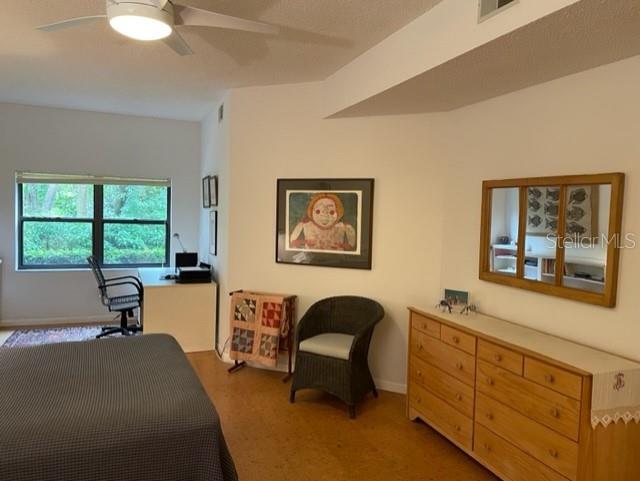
[(426, 325), (553, 377), (500, 356), (443, 417), (454, 392), (544, 444), (508, 461), (458, 364), (554, 410), (459, 339)]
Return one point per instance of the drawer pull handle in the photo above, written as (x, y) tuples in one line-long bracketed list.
[(549, 378), (553, 453), (490, 381), (555, 412), (490, 416), (498, 357), (419, 400), (459, 397), (419, 347), (459, 366), (456, 340), (419, 373), (458, 428), (487, 447)]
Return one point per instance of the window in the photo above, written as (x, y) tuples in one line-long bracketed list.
[(64, 219)]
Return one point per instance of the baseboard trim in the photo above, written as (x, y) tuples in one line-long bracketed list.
[(55, 321), (381, 384), (391, 386)]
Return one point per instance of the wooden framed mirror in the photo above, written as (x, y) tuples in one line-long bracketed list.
[(555, 235)]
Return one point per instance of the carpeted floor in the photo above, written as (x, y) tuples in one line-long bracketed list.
[(36, 337)]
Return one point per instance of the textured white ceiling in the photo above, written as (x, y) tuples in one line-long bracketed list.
[(581, 36), (93, 68)]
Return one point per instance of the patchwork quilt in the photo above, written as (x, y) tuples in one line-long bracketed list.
[(260, 326)]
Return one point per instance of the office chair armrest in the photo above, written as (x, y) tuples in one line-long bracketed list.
[(133, 278), (127, 283)]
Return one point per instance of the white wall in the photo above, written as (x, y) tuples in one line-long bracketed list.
[(429, 171), (585, 123), (215, 161), (278, 132), (65, 141)]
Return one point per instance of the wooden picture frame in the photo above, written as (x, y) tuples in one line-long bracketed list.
[(557, 284), (325, 222), (206, 193), (213, 190)]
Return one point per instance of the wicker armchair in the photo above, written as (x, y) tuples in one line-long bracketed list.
[(332, 347)]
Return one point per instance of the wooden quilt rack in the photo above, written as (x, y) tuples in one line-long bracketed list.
[(289, 311)]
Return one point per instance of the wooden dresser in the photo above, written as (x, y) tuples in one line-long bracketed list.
[(515, 399)]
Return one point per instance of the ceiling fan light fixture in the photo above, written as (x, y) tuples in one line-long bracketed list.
[(141, 22), (140, 28)]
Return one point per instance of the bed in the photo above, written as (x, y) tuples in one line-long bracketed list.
[(122, 409)]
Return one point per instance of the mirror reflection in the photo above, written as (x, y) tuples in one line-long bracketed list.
[(543, 211), (505, 205), (586, 236)]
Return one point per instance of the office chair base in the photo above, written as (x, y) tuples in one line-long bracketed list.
[(125, 331)]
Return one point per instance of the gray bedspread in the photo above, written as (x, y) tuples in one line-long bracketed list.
[(123, 409)]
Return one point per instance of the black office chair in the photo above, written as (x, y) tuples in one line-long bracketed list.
[(124, 304)]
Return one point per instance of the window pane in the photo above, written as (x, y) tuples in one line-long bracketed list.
[(135, 202), (56, 243), (134, 244), (57, 200)]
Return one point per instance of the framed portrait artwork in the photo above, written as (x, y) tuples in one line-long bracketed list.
[(325, 222), (213, 190), (213, 232), (206, 193)]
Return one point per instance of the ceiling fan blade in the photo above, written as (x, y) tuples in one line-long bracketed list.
[(178, 44), (72, 22), (191, 16)]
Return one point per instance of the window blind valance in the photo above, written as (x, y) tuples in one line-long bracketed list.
[(42, 178)]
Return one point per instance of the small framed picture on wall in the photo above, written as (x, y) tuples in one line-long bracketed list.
[(206, 193), (213, 190), (213, 232)]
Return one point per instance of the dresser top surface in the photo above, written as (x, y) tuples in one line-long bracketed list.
[(584, 358)]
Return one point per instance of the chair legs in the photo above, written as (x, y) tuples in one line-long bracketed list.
[(352, 411), (292, 397), (375, 392), (124, 328)]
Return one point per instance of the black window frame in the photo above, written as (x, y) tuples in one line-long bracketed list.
[(97, 231)]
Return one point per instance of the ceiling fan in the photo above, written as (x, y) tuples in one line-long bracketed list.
[(157, 20)]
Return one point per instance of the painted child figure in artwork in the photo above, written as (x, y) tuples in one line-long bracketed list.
[(323, 228)]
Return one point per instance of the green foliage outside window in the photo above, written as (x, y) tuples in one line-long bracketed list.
[(69, 243)]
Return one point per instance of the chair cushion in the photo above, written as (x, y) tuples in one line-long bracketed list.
[(331, 345)]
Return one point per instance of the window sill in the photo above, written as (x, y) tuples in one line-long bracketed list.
[(82, 269)]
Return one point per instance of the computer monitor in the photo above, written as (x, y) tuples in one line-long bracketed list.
[(186, 259)]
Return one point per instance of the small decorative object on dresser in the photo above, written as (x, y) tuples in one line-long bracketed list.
[(456, 298), (468, 309), (527, 405), (444, 306)]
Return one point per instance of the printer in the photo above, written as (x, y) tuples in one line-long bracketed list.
[(193, 275)]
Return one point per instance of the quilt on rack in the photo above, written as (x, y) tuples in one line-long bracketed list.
[(260, 325)]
